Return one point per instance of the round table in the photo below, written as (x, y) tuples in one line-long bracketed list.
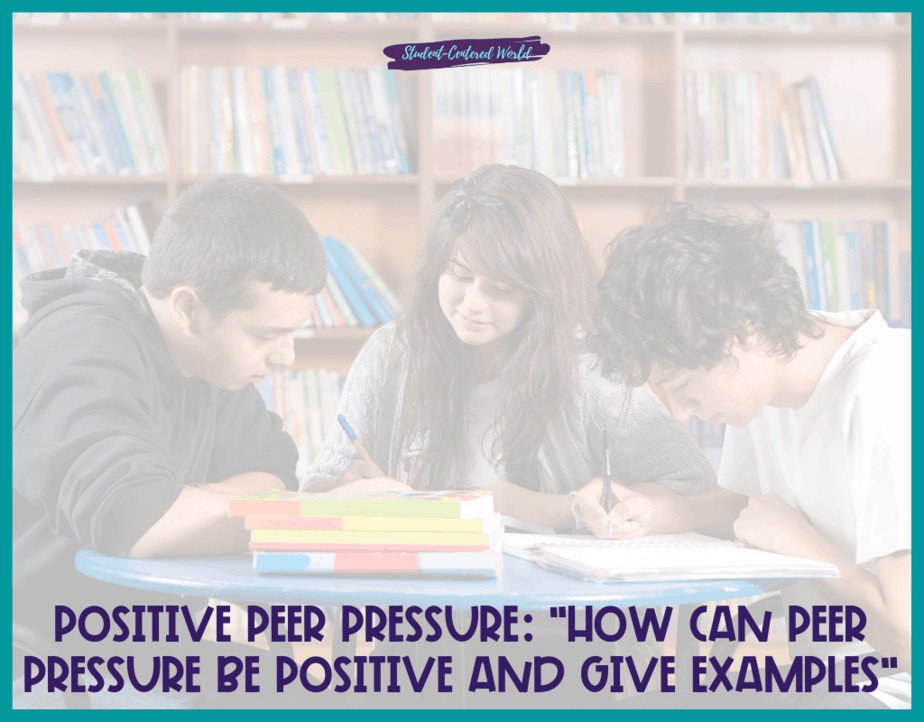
[(521, 583)]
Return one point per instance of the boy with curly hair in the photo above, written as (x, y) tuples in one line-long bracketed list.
[(816, 460)]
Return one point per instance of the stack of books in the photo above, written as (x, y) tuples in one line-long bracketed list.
[(567, 124), (420, 533), (355, 296), (848, 265), (290, 121), (306, 401), (78, 124), (747, 126)]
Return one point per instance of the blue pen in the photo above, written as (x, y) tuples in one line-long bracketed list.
[(345, 425)]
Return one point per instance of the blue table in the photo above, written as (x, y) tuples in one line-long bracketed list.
[(522, 583)]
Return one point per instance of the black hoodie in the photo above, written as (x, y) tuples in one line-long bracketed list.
[(106, 431)]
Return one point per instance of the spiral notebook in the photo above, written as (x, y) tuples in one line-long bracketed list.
[(667, 557)]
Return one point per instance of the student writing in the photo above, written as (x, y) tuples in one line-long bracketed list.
[(817, 455), (483, 381), (135, 418)]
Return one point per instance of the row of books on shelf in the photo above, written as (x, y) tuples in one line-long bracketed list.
[(58, 18), (552, 20), (68, 124), (846, 265), (747, 126), (306, 401), (791, 19), (577, 20), (841, 265), (355, 296), (291, 121), (565, 123), (294, 18), (270, 18), (441, 533), (555, 21), (42, 246)]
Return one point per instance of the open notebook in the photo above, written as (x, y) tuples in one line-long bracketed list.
[(673, 557)]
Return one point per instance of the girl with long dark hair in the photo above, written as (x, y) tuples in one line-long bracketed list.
[(483, 381)]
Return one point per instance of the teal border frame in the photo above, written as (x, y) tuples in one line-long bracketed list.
[(917, 65)]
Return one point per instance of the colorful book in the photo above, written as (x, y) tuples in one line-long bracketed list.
[(487, 525), (386, 297), (744, 125), (849, 265), (339, 257), (336, 539), (452, 504), (425, 563), (342, 275), (564, 123)]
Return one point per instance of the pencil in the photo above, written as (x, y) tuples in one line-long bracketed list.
[(345, 425), (607, 491)]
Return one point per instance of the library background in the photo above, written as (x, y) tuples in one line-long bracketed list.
[(805, 114)]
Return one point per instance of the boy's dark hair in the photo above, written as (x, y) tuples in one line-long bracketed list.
[(226, 232), (680, 289)]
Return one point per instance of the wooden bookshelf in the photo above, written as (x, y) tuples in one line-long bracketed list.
[(325, 28), (333, 181), (865, 72), (797, 33), (92, 180), (330, 348)]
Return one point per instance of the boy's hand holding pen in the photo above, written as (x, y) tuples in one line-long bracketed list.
[(611, 510), (625, 518)]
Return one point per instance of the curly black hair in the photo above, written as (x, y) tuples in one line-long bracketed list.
[(679, 290)]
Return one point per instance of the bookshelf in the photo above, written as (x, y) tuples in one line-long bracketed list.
[(862, 67)]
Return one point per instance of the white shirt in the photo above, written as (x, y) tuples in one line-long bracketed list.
[(844, 458)]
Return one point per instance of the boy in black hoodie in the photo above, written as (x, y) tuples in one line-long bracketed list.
[(135, 418)]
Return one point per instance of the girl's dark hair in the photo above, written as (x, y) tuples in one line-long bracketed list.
[(514, 225), (679, 290), (228, 231)]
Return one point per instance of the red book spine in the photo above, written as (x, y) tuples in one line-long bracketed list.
[(276, 507)]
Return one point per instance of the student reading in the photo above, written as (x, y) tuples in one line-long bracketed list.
[(701, 301), (482, 383), (135, 418)]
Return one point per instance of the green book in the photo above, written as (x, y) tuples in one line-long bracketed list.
[(831, 276), (335, 121), (450, 504)]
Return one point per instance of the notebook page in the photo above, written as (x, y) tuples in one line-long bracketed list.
[(524, 545), (685, 562)]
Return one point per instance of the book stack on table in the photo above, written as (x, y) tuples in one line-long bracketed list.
[(420, 533)]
